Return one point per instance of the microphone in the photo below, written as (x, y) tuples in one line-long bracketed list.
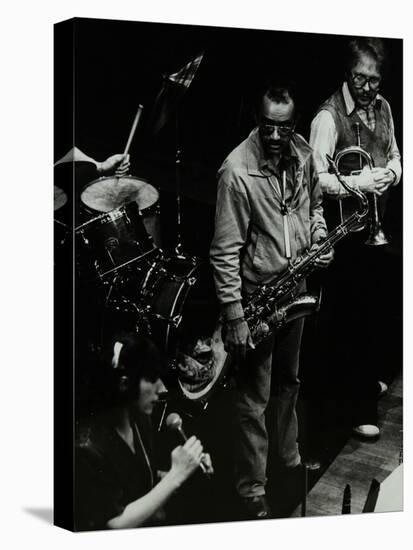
[(174, 422)]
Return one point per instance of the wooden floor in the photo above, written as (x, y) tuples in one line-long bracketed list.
[(359, 462)]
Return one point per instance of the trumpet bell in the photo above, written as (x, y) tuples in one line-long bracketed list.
[(376, 237)]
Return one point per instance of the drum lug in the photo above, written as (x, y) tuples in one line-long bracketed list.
[(176, 321)]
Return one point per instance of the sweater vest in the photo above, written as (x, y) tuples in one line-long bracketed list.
[(376, 143)]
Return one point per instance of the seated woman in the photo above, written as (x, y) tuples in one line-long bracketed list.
[(115, 483)]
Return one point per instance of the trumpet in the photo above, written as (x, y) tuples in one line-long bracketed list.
[(356, 157)]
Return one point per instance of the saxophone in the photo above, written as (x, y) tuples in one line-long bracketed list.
[(279, 302)]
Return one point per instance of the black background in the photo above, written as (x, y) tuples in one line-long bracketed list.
[(120, 64)]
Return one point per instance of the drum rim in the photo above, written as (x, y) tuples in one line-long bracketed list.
[(101, 178), (108, 214)]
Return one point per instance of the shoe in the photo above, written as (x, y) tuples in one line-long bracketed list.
[(382, 388), (368, 431), (256, 507)]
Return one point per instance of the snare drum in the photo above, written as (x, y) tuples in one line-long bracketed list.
[(109, 193), (112, 241)]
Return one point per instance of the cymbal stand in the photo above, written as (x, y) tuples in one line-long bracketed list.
[(178, 180)]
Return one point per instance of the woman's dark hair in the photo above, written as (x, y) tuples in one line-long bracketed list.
[(373, 47), (138, 359), (113, 376)]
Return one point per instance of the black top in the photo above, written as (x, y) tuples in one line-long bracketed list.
[(108, 475)]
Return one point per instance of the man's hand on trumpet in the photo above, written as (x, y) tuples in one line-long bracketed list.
[(375, 180)]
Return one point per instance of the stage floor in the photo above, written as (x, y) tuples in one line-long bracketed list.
[(359, 462)]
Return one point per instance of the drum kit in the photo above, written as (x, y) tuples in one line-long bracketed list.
[(118, 255), (171, 299)]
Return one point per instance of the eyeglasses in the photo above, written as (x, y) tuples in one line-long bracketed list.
[(360, 80), (283, 131)]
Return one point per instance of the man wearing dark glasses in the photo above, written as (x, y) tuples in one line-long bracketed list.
[(268, 213), (357, 115)]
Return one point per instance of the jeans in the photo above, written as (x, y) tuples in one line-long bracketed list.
[(277, 356)]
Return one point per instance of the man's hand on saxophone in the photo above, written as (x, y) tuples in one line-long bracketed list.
[(324, 260), (237, 338)]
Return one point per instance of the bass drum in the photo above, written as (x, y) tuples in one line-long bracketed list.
[(182, 315)]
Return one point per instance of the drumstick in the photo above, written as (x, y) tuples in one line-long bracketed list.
[(133, 129)]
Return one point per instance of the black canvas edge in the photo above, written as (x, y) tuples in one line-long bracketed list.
[(64, 350)]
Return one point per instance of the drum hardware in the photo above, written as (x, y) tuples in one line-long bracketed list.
[(122, 266), (188, 259), (178, 168), (174, 321), (161, 271), (171, 277), (183, 79), (124, 305), (145, 291), (61, 229), (84, 238), (61, 239)]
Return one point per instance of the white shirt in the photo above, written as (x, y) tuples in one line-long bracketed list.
[(323, 140)]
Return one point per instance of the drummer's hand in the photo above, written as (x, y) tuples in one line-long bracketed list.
[(116, 164)]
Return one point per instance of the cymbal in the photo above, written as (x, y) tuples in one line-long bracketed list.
[(107, 193), (60, 198), (75, 155)]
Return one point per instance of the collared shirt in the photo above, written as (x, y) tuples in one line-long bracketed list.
[(368, 114), (323, 140), (290, 163), (248, 248)]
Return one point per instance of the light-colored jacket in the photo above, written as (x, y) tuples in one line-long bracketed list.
[(248, 247)]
